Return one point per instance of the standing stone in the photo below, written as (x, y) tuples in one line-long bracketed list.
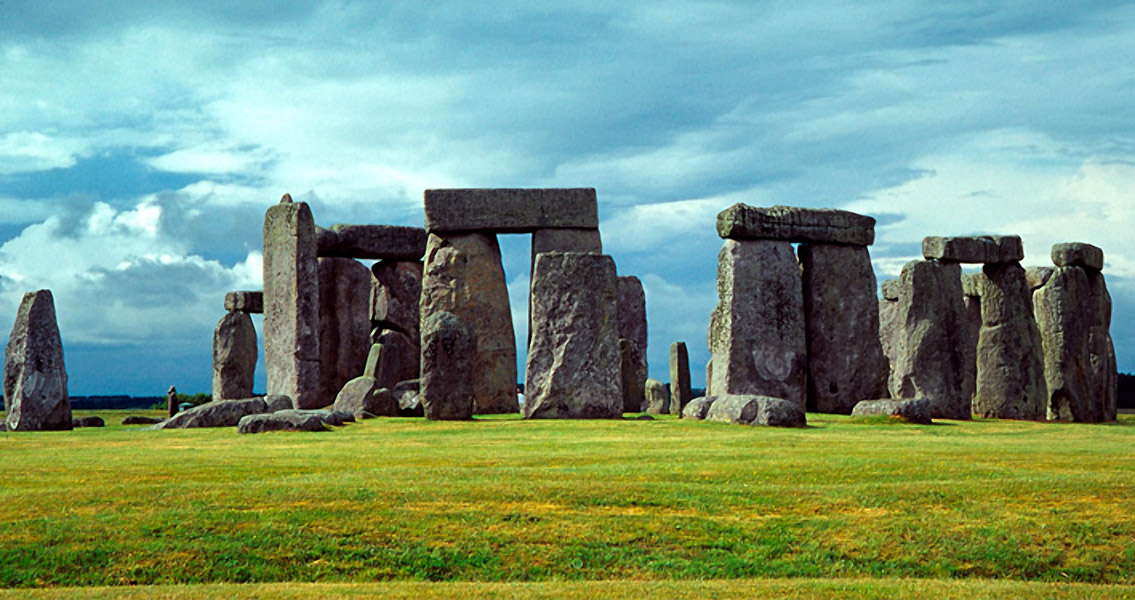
[(1010, 368), (632, 327), (35, 379), (234, 356), (344, 324), (291, 305), (890, 325), (449, 357), (930, 361), (1064, 319), (464, 275), (364, 398), (757, 334), (396, 293), (971, 301), (633, 389), (171, 400), (679, 377), (1105, 377), (573, 360), (657, 399), (401, 359), (846, 363)]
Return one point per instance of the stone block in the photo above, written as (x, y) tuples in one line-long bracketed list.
[(1077, 254), (291, 304), (344, 324), (35, 378), (974, 249), (396, 294), (750, 409), (913, 410), (449, 357), (234, 356), (656, 398), (679, 377), (381, 242), (1010, 365), (820, 226), (1038, 276), (633, 328), (246, 302), (510, 210)]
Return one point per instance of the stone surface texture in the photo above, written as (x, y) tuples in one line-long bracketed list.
[(449, 357), (632, 327), (1064, 319), (362, 395), (284, 420), (748, 409), (698, 408), (396, 295), (573, 368), (846, 363), (510, 210), (382, 242), (222, 413), (912, 410), (344, 324), (1010, 364), (35, 378), (1038, 276), (401, 358), (234, 356), (247, 302), (656, 398), (464, 275), (821, 226), (890, 289), (974, 249), (1077, 254), (757, 334), (291, 304), (679, 377), (1105, 378)]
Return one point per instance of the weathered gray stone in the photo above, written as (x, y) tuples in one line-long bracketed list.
[(1105, 378), (565, 240), (464, 275), (171, 400), (383, 242), (401, 358), (974, 249), (344, 324), (820, 226), (1077, 254), (698, 408), (633, 390), (409, 399), (971, 285), (573, 360), (1038, 276), (277, 403), (656, 398), (890, 334), (35, 378), (756, 333), (890, 289), (708, 377), (140, 420), (396, 294), (841, 315), (1064, 319), (928, 351), (291, 304), (222, 413), (246, 302), (363, 395), (449, 357), (747, 409), (284, 420), (679, 377), (234, 356), (510, 210), (914, 410), (632, 328), (1010, 367), (92, 421)]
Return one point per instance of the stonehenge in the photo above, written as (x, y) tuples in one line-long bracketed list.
[(35, 378)]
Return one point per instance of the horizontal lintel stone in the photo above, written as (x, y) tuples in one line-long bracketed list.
[(382, 242), (974, 249), (1077, 254), (802, 225), (511, 210), (245, 302)]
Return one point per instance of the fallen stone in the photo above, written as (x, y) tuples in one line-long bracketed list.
[(841, 315), (1038, 276), (974, 249), (914, 410), (370, 242), (139, 420), (679, 378), (747, 409), (94, 421), (344, 324), (644, 418), (219, 413), (1010, 366), (1077, 254), (285, 420), (449, 356), (276, 403), (363, 395), (820, 226), (657, 398), (35, 378), (698, 408), (633, 328), (510, 210), (573, 368), (291, 304), (396, 292), (246, 302), (234, 356)]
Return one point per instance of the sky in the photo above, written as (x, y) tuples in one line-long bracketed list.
[(141, 142)]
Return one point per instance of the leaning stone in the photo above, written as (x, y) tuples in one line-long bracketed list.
[(679, 377), (573, 360), (757, 335), (449, 356), (95, 421), (291, 304), (246, 302), (974, 249), (1010, 364), (35, 378), (820, 226), (139, 420), (285, 420), (841, 315), (344, 324), (756, 410), (1064, 320), (510, 210), (396, 291), (1077, 254), (222, 413), (657, 398), (276, 403), (370, 242), (698, 408), (1038, 276), (915, 410), (234, 356), (363, 395), (890, 289), (632, 328), (464, 275)]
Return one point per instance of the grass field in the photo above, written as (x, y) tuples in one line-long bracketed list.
[(501, 507)]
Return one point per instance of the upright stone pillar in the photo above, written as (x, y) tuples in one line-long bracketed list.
[(890, 325), (448, 361), (234, 357), (679, 377), (35, 378), (291, 304), (632, 327), (464, 276), (971, 301), (1105, 376), (573, 360), (344, 323), (1010, 370), (1064, 319), (846, 363)]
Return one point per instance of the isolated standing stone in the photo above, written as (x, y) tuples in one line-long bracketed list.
[(344, 324), (748, 409), (657, 399), (464, 275), (632, 327), (291, 304), (449, 356), (1064, 319), (573, 360), (756, 333), (234, 356), (679, 377), (1010, 367), (35, 378), (171, 401), (846, 363)]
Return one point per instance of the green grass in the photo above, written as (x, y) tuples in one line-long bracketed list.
[(621, 505)]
